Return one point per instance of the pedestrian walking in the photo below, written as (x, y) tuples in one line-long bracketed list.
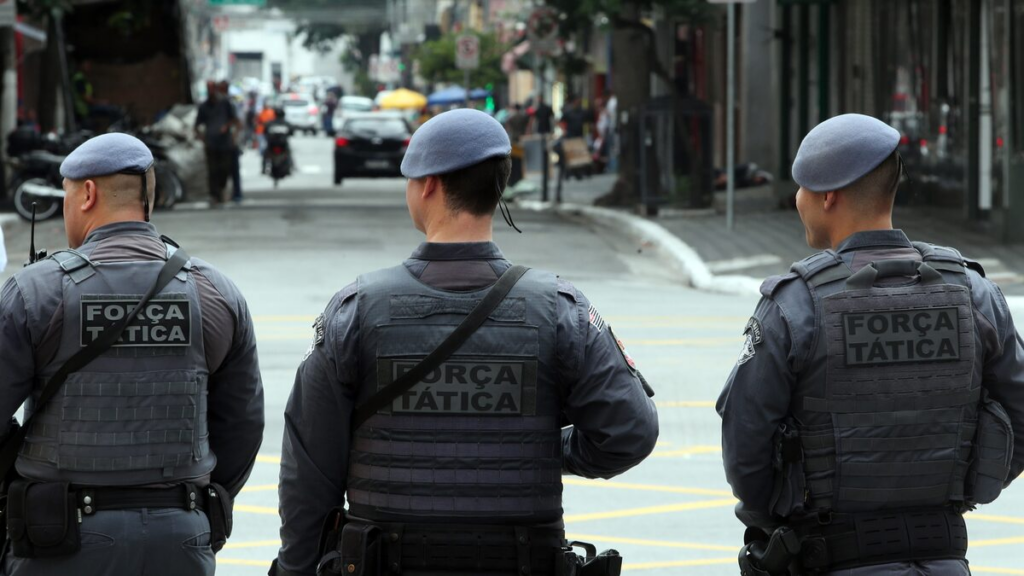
[(215, 122), (880, 387), (449, 443), (144, 413), (236, 149)]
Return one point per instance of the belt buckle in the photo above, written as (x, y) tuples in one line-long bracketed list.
[(824, 517)]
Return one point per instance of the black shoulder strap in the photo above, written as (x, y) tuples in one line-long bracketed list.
[(451, 344), (107, 338)]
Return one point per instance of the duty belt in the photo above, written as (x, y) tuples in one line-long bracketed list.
[(468, 548), (185, 496), (864, 539)]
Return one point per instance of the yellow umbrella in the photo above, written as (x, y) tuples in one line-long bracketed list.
[(403, 99)]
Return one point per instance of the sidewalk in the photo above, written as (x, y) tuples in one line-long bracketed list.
[(767, 240)]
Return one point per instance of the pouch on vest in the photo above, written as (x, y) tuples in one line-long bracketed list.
[(787, 460), (992, 451), (219, 511), (607, 563), (358, 554), (43, 520)]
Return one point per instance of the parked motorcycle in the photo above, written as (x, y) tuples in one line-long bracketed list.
[(36, 174)]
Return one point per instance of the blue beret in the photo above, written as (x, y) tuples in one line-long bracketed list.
[(452, 141), (841, 150), (107, 154)]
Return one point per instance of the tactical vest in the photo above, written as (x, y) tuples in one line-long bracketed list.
[(137, 414), (887, 406), (478, 439)]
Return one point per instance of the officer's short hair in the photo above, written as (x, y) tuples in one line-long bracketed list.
[(877, 188), (476, 189)]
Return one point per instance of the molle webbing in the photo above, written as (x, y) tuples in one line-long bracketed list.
[(479, 436), (900, 367), (136, 414)]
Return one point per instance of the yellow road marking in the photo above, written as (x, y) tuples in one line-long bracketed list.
[(993, 518), (241, 562), (681, 564), (269, 510), (283, 318), (266, 459), (690, 451), (657, 543), (712, 341), (685, 404), (987, 570), (260, 488), (648, 510), (997, 542), (643, 487), (677, 318), (253, 544)]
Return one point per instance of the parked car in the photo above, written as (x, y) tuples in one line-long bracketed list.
[(370, 145), (301, 112)]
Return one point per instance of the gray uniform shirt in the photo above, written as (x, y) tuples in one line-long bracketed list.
[(758, 393), (30, 332), (614, 424)]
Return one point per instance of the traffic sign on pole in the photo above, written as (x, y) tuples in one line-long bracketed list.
[(542, 30), (467, 52)]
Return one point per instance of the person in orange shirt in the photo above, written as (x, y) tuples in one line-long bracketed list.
[(265, 117)]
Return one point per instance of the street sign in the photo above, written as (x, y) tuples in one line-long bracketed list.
[(542, 30), (7, 13), (467, 52), (260, 3)]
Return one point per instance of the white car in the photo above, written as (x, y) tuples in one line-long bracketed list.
[(301, 112)]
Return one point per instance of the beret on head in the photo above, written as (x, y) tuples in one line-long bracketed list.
[(107, 154), (452, 141), (841, 150)]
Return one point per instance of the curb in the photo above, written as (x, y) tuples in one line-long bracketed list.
[(678, 254)]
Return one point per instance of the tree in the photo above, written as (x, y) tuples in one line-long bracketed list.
[(635, 58), (437, 60)]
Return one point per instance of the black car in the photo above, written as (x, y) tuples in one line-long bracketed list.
[(370, 145)]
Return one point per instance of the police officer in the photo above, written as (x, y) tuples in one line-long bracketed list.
[(880, 384), (461, 474), (117, 468)]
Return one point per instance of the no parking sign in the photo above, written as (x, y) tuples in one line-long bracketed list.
[(467, 52)]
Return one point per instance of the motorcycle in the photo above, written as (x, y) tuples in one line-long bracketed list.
[(278, 155), (36, 176), (35, 167)]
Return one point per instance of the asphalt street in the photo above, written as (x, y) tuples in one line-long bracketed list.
[(291, 248)]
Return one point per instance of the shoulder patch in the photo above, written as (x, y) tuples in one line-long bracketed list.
[(596, 320), (772, 283), (754, 336), (318, 336)]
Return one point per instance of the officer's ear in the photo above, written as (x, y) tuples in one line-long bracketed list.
[(830, 200), (89, 196), (431, 186)]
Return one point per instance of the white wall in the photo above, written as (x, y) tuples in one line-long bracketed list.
[(277, 41)]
